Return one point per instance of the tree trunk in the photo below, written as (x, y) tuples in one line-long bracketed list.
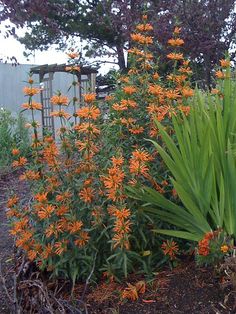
[(121, 57)]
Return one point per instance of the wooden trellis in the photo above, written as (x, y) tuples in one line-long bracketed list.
[(86, 78)]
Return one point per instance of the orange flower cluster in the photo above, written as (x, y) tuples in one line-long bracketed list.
[(132, 291), (141, 39), (32, 105), (138, 163), (204, 244), (60, 100), (113, 182), (121, 227), (170, 248), (31, 91)]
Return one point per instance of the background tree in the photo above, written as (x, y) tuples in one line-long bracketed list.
[(208, 26)]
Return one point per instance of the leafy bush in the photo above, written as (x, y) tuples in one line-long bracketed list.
[(201, 159), (80, 219), (12, 134)]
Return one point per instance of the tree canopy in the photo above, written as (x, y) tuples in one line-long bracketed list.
[(208, 27)]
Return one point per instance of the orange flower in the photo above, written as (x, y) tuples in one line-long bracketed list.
[(119, 107), (187, 92), (114, 179), (12, 201), (61, 246), (109, 98), (220, 74), (203, 247), (41, 197), (87, 128), (155, 90), (225, 63), (136, 167), (172, 94), (117, 161), (84, 237), (47, 251), (175, 56), (60, 113), (73, 68), (32, 105), (177, 30), (63, 197), (184, 109), (224, 248), (86, 194), (175, 42), (62, 210), (144, 27), (75, 226), (129, 90), (122, 226), (141, 39), (130, 293), (170, 248), (73, 55), (121, 240), (59, 100), (30, 91), (215, 91), (53, 229), (19, 163), (121, 213), (133, 290), (46, 212), (88, 98), (129, 103), (136, 129), (32, 254), (88, 113), (30, 175), (15, 151)]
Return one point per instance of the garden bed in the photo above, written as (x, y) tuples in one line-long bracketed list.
[(185, 289)]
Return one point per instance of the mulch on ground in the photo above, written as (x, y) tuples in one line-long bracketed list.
[(186, 289)]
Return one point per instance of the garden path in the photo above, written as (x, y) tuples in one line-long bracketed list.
[(8, 182)]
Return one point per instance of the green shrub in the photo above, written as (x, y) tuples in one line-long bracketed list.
[(201, 159), (12, 134)]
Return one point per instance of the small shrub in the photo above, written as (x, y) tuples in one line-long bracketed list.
[(12, 134)]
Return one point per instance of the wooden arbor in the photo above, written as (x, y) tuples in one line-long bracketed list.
[(86, 78)]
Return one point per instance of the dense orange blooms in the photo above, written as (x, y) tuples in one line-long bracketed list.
[(129, 90), (61, 100), (61, 113), (20, 162), (89, 98), (175, 56), (15, 151), (175, 42), (144, 27), (224, 63), (88, 112), (87, 194), (170, 248), (30, 91), (32, 105)]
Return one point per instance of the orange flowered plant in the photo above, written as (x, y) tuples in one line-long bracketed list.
[(213, 248), (79, 208)]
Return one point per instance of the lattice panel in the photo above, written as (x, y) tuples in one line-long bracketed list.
[(46, 94)]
